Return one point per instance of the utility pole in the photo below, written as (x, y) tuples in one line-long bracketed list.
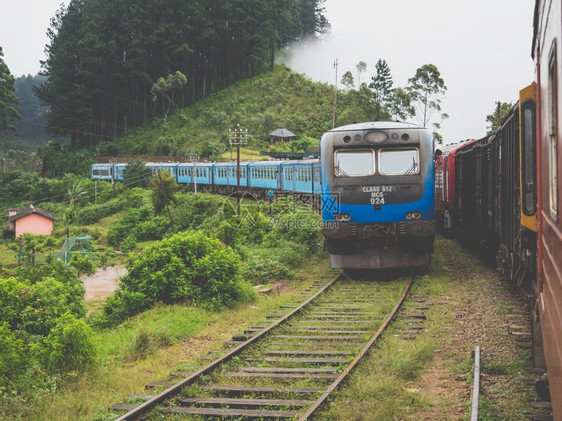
[(236, 138), (335, 95), (194, 157), (113, 178)]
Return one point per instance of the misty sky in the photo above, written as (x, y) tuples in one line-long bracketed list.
[(481, 47)]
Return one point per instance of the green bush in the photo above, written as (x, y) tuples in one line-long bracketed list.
[(82, 264), (56, 269), (119, 306), (152, 229), (33, 304), (129, 243), (46, 301), (91, 214), (190, 211), (42, 329), (187, 267), (262, 268), (13, 355), (300, 227), (69, 346), (138, 221)]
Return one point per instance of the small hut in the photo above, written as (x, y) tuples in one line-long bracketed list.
[(32, 220), (282, 134)]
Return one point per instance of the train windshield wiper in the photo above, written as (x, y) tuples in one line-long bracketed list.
[(413, 168), (340, 172)]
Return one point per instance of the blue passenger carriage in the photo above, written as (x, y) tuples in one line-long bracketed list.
[(316, 186), (204, 173), (265, 175), (102, 172), (225, 174), (118, 170), (184, 173), (156, 167), (377, 195), (297, 176)]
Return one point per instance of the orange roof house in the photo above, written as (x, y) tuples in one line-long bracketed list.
[(32, 220)]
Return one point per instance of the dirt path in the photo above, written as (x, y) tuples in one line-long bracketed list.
[(103, 283)]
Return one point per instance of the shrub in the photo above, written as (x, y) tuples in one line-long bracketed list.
[(129, 243), (56, 269), (121, 305), (191, 211), (91, 214), (69, 346), (137, 220), (151, 229), (82, 264), (259, 269), (34, 305), (13, 355), (188, 266), (44, 302)]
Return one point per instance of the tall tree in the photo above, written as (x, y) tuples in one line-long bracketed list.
[(8, 98), (494, 119), (104, 56), (400, 104), (347, 80), (32, 123), (426, 88), (166, 89), (381, 84), (163, 188), (361, 68)]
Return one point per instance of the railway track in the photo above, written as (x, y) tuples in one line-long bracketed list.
[(286, 367)]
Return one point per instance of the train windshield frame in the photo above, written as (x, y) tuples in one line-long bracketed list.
[(399, 161), (354, 163)]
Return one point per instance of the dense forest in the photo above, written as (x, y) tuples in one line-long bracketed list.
[(112, 66)]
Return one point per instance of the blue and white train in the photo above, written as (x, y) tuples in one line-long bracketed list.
[(378, 195), (298, 177), (374, 182)]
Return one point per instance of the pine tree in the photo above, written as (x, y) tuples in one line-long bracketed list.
[(8, 98), (381, 85)]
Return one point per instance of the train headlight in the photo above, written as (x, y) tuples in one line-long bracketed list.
[(413, 216), (376, 137), (342, 217)]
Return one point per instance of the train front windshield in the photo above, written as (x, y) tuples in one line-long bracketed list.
[(355, 163), (399, 162), (362, 163)]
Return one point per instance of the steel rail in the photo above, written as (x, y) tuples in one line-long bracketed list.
[(175, 388), (360, 355), (475, 385)]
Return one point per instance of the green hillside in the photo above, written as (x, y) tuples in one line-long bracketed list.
[(261, 104)]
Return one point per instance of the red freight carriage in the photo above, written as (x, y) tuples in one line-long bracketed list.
[(547, 53), (445, 216)]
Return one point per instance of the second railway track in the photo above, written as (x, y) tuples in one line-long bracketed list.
[(286, 367)]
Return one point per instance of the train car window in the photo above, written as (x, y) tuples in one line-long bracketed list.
[(356, 163), (399, 162), (553, 133), (529, 154)]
